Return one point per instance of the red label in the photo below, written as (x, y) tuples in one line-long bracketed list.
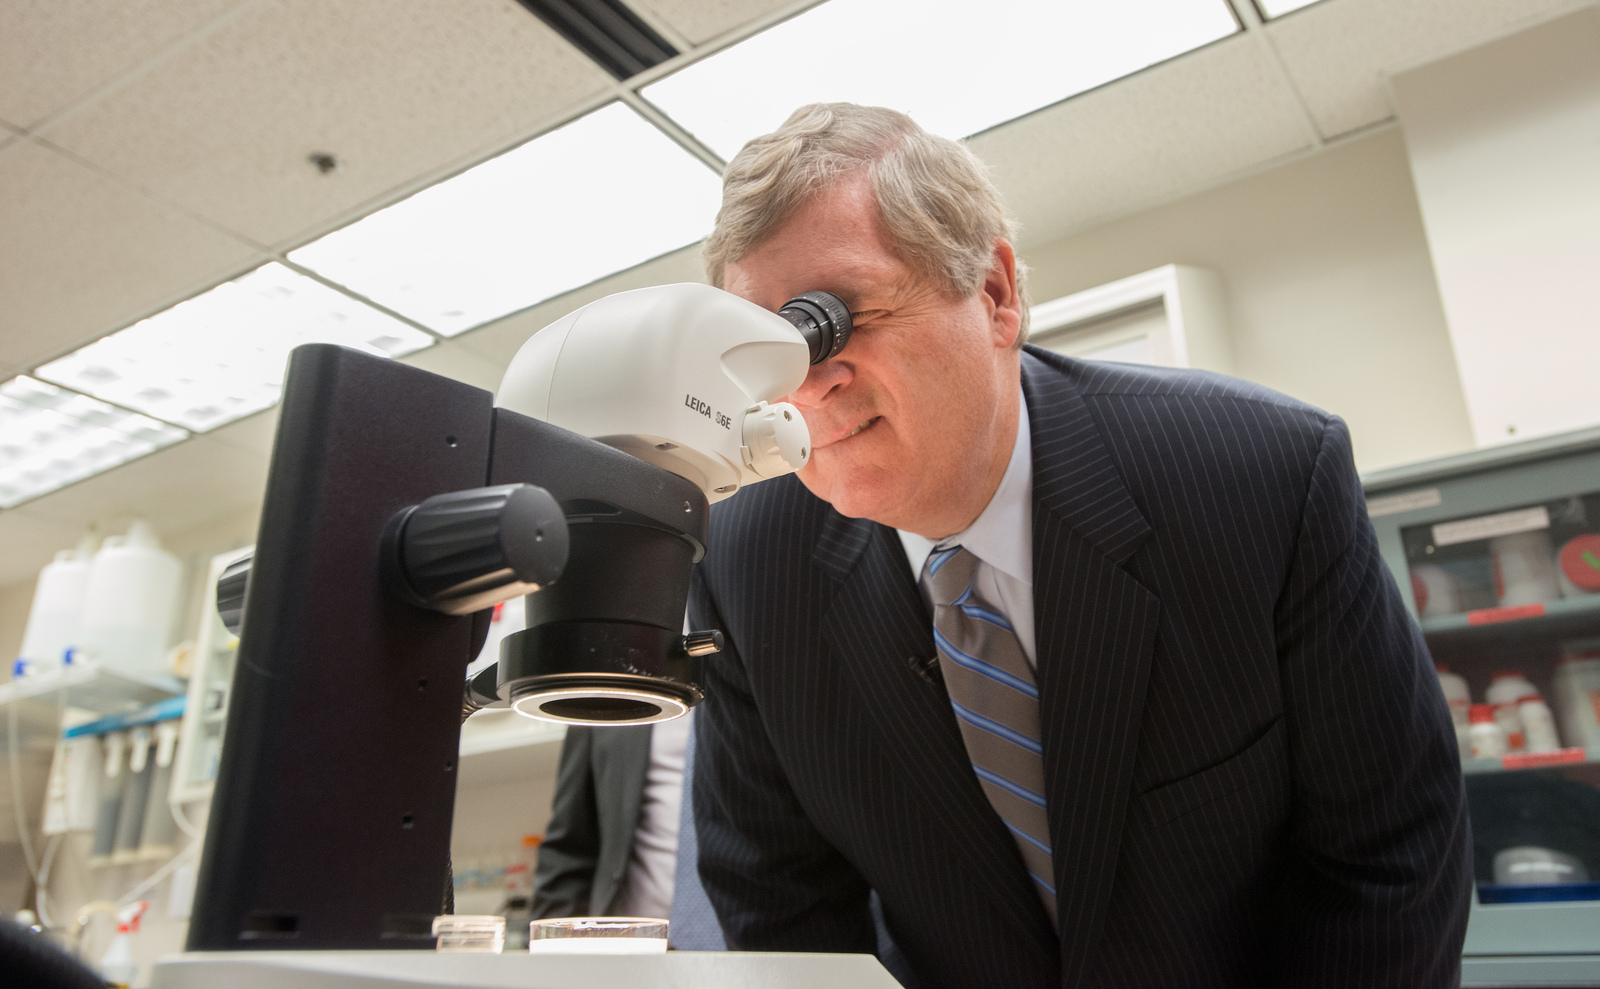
[(1486, 616), (1533, 760)]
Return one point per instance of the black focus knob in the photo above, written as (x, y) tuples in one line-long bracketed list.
[(468, 550), (231, 584), (823, 319)]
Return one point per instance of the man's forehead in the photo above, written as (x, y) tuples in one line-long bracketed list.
[(833, 243)]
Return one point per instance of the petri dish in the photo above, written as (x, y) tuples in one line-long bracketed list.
[(598, 936), (470, 933)]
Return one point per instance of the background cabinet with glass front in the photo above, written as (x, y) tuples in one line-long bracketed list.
[(1497, 554)]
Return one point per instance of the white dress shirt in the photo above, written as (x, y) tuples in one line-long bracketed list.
[(646, 889), (1002, 540)]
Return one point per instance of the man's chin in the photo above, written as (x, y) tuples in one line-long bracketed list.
[(853, 497)]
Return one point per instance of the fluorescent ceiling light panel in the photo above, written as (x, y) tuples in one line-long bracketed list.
[(50, 437), (221, 356), (601, 194), (957, 66), (1277, 8)]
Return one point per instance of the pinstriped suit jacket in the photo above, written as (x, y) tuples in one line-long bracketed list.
[(1252, 775)]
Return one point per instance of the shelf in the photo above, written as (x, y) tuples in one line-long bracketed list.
[(92, 687), (1539, 893), (1531, 760), (164, 710), (1567, 616)]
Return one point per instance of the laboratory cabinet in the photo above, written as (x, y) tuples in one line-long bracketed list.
[(1497, 555)]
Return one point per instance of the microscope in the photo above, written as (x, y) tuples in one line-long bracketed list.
[(402, 505)]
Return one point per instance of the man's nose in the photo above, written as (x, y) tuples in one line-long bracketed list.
[(822, 381)]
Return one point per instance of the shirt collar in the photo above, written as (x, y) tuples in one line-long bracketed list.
[(1002, 535)]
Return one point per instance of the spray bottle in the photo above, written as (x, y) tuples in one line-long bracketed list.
[(116, 965)]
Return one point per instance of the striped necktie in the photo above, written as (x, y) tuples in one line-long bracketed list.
[(996, 701)]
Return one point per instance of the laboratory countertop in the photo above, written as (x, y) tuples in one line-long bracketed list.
[(396, 969)]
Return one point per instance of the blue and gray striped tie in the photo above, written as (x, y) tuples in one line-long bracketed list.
[(992, 689)]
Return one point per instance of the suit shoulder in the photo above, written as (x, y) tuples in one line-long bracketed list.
[(1174, 428), (1179, 402), (1098, 379)]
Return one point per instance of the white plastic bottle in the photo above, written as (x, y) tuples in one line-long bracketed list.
[(1436, 590), (1576, 690), (1487, 738), (129, 603), (116, 965), (1506, 687), (1524, 568), (1538, 724), (55, 621)]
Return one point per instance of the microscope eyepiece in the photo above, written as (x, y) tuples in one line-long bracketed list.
[(823, 319)]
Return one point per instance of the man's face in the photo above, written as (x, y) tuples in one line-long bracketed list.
[(907, 423)]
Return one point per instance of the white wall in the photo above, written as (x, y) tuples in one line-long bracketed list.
[(1505, 146), (1331, 291)]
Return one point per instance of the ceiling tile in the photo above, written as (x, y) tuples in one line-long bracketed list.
[(31, 541), (702, 20), (183, 486), (1339, 52), (1172, 129), (499, 341), (53, 52), (81, 255), (393, 91)]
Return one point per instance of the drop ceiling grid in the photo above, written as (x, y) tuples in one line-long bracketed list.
[(1201, 117), (392, 90), (1339, 53), (83, 255)]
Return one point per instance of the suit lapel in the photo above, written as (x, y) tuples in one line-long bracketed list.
[(879, 628), (1096, 629)]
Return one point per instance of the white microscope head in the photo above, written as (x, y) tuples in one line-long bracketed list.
[(685, 376)]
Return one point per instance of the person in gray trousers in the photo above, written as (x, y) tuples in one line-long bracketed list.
[(599, 791)]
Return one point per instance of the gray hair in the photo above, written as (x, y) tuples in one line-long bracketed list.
[(939, 210)]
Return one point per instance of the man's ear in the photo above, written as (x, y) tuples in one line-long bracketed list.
[(1000, 295)]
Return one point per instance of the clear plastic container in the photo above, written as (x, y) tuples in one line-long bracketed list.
[(55, 621), (484, 934), (598, 936), (129, 602)]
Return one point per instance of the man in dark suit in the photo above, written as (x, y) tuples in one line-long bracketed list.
[(1169, 726)]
